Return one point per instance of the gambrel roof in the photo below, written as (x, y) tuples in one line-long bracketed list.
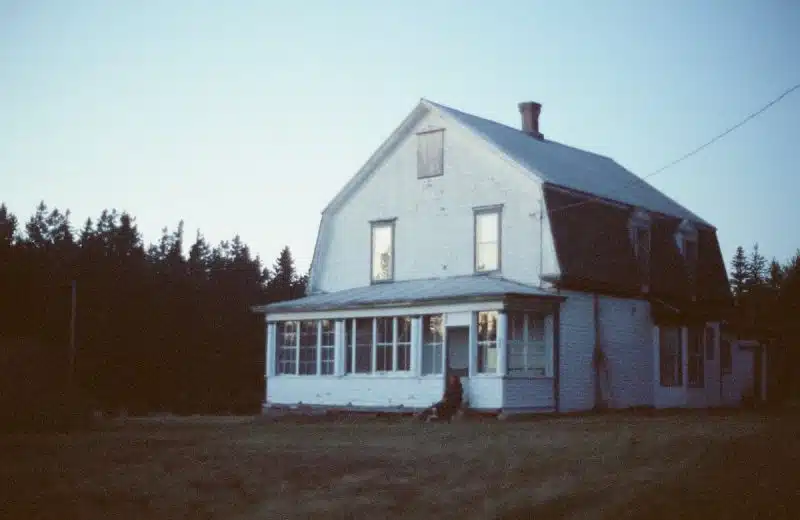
[(592, 241), (573, 168)]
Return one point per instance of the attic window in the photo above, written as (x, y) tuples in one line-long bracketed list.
[(430, 153)]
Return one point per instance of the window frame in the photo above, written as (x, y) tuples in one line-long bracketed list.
[(283, 348), (375, 225), (422, 158), (326, 352), (478, 213)]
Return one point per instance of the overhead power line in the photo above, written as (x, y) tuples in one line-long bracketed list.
[(696, 150)]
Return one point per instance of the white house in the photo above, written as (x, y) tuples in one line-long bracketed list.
[(549, 278)]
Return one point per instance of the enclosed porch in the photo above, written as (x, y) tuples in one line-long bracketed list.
[(391, 346)]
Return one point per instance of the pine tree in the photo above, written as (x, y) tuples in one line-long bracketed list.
[(738, 274), (8, 228), (756, 268), (283, 285)]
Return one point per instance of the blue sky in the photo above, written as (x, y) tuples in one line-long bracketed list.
[(248, 116)]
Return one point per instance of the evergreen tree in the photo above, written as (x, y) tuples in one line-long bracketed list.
[(739, 273), (284, 282), (8, 228), (756, 268)]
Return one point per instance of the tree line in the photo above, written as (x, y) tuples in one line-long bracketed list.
[(154, 329), (159, 330), (766, 297)]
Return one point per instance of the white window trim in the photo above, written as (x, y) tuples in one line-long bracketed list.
[(477, 213), (526, 344)]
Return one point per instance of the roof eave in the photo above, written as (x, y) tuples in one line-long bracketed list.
[(265, 309)]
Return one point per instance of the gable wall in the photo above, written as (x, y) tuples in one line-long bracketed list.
[(434, 227)]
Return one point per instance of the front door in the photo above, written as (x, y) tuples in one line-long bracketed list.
[(457, 355)]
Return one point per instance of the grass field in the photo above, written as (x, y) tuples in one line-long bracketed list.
[(677, 466)]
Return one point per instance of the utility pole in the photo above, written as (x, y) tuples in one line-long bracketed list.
[(71, 367)]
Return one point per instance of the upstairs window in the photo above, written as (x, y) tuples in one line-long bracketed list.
[(487, 239), (382, 257), (430, 153)]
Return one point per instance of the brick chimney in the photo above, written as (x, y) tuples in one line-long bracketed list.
[(530, 111)]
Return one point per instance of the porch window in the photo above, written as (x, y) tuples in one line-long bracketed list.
[(696, 361), (402, 362), (287, 348), (363, 345), (527, 350), (432, 344), (487, 239), (327, 346), (383, 346), (487, 342), (725, 359), (308, 348), (670, 356), (382, 251)]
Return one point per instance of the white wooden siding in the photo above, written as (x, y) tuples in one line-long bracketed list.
[(626, 332), (484, 392), (354, 390), (534, 394), (434, 227), (575, 358)]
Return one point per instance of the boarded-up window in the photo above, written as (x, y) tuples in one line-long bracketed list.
[(430, 153)]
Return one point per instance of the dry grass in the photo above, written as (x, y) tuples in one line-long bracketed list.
[(250, 468)]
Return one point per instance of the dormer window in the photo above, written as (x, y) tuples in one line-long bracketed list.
[(640, 239), (687, 242), (430, 153)]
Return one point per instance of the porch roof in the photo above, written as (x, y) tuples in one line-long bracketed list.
[(410, 292)]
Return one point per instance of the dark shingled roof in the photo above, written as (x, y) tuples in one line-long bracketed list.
[(595, 252)]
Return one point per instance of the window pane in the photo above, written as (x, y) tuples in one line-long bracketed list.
[(430, 154), (432, 329), (348, 341), (383, 359), (308, 347), (487, 326), (328, 332), (364, 345), (516, 326), (286, 362), (696, 375), (487, 258), (486, 227), (382, 255), (670, 356)]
